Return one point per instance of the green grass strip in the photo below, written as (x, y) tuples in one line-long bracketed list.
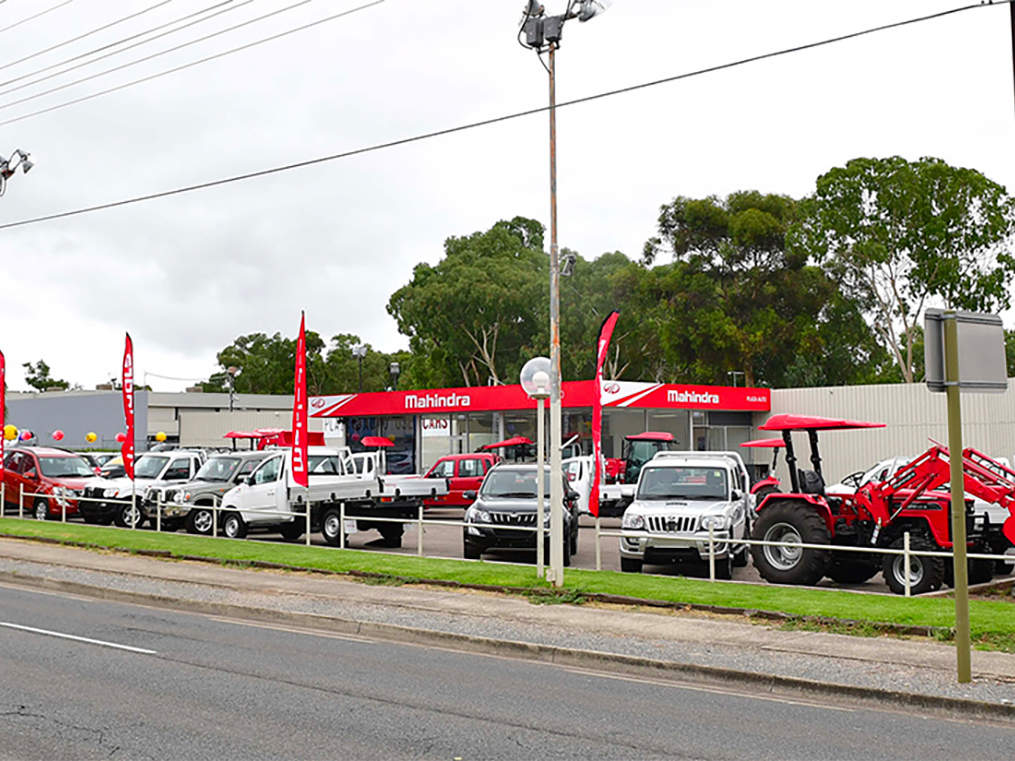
[(990, 621)]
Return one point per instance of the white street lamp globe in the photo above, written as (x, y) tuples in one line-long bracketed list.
[(535, 378)]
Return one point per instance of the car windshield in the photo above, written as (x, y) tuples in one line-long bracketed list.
[(218, 469), (56, 467), (513, 483), (683, 483), (149, 466)]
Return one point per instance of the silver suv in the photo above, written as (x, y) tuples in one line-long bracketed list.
[(189, 504), (681, 497)]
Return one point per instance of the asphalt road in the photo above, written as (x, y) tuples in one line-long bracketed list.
[(197, 687)]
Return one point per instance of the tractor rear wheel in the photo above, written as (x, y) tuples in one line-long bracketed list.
[(797, 522), (926, 574), (853, 567)]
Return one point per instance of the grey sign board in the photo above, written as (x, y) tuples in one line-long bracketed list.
[(982, 366)]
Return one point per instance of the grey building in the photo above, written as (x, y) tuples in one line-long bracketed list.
[(189, 418)]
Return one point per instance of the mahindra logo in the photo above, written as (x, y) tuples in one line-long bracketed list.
[(674, 396), (429, 401), (611, 388), (317, 402)]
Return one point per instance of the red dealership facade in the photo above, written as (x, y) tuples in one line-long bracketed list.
[(426, 424)]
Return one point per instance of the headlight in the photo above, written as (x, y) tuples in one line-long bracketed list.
[(172, 496), (546, 518), (475, 515), (633, 521), (110, 492), (715, 522), (59, 491)]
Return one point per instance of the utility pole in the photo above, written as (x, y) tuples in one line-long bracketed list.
[(543, 33)]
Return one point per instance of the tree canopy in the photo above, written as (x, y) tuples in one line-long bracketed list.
[(899, 235), (38, 376)]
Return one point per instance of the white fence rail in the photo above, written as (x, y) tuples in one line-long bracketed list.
[(421, 523)]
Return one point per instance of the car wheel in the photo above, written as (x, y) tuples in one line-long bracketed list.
[(331, 528), (392, 534), (40, 509), (129, 516), (291, 531), (200, 521), (630, 565), (724, 567), (233, 526)]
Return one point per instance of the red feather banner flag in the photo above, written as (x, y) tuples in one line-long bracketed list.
[(300, 409), (602, 348), (127, 385), (3, 417)]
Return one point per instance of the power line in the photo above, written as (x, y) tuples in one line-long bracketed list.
[(128, 47), (175, 69), (494, 120), (37, 15), (153, 55), (86, 34)]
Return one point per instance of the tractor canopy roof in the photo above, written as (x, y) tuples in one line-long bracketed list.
[(651, 436), (813, 422), (769, 443)]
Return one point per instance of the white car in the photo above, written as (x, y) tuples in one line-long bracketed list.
[(681, 497), (150, 469)]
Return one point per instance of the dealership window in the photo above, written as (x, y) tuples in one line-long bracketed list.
[(617, 424), (577, 423), (481, 430), (435, 438), (671, 421), (520, 424), (401, 458)]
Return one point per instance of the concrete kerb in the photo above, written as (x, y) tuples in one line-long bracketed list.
[(626, 665), (939, 632)]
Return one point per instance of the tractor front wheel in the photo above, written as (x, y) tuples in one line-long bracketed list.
[(926, 574), (790, 522)]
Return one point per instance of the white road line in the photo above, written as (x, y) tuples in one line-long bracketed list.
[(48, 633)]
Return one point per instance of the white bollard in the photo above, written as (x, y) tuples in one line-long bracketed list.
[(711, 554), (308, 520), (599, 550), (905, 549), (158, 512), (214, 517), (341, 525), (419, 531), (21, 500)]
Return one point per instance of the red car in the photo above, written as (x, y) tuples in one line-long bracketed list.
[(464, 472), (48, 481)]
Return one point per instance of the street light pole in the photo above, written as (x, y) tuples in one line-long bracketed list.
[(543, 33), (556, 484)]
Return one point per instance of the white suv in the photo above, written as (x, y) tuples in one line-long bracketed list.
[(680, 497)]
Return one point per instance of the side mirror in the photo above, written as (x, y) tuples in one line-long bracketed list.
[(32, 474), (249, 480), (470, 494), (736, 494)]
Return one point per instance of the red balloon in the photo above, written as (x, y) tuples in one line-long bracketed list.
[(57, 435), (26, 435), (121, 437)]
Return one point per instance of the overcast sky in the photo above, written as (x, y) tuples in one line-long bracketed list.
[(187, 274)]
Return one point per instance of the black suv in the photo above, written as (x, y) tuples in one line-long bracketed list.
[(507, 499)]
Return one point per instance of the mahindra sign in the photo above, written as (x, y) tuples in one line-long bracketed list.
[(432, 401), (675, 396)]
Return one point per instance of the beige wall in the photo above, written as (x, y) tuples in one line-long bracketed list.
[(912, 414), (205, 429)]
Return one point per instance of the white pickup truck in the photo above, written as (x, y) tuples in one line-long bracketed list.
[(269, 498), (613, 498), (681, 498)]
